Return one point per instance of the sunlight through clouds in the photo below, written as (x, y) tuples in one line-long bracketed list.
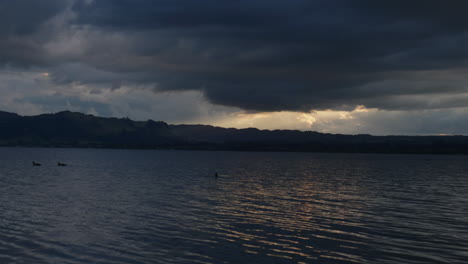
[(291, 120)]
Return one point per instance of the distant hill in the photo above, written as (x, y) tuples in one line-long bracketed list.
[(69, 129)]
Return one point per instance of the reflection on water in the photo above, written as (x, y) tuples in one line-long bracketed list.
[(126, 206)]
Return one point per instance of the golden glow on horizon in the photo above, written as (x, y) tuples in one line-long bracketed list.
[(287, 119)]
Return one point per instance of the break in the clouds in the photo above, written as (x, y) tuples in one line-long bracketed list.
[(247, 55)]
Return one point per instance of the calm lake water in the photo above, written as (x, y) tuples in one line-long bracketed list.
[(137, 206)]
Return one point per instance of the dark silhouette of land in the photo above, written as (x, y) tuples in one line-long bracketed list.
[(69, 129)]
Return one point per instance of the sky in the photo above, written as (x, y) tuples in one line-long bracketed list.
[(334, 66)]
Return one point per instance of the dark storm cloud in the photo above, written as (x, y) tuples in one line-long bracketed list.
[(22, 17), (263, 55), (19, 21)]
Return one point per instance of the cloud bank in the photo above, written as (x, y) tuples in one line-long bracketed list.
[(246, 55)]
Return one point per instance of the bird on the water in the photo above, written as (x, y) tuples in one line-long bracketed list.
[(36, 163)]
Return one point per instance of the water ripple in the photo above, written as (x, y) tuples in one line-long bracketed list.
[(116, 206)]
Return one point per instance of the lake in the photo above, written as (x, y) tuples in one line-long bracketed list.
[(149, 206)]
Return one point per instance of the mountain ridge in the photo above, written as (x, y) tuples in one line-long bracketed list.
[(74, 129)]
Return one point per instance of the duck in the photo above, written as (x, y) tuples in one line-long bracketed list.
[(61, 164), (36, 163), (216, 175)]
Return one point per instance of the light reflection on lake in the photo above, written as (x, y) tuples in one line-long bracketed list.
[(135, 206)]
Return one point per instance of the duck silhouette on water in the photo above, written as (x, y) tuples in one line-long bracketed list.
[(36, 163), (61, 164)]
